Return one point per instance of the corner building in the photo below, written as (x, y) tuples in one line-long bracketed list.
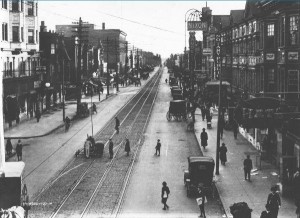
[(19, 58)]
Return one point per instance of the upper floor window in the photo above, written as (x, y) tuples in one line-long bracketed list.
[(30, 7), (244, 30), (270, 30), (15, 5), (293, 30), (241, 32), (30, 36), (282, 31), (4, 32), (254, 26), (4, 4), (15, 34)]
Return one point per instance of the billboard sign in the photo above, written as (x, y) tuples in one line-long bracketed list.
[(196, 26)]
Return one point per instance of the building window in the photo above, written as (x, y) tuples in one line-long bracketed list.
[(22, 5), (282, 31), (36, 9), (254, 27), (15, 36), (22, 34), (37, 36), (271, 76), (15, 5), (293, 30), (270, 30), (52, 48), (30, 36), (4, 32), (4, 4), (30, 8)]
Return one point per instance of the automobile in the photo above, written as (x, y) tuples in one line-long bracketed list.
[(200, 173)]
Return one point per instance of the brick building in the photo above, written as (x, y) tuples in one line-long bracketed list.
[(19, 58)]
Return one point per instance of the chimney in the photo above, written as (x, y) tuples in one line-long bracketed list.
[(103, 26), (43, 28)]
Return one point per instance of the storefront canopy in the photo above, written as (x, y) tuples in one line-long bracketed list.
[(261, 103)]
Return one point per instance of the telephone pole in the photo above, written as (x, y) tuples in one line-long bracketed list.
[(107, 76), (117, 68), (80, 39)]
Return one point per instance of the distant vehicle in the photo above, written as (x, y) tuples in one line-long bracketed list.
[(200, 172)]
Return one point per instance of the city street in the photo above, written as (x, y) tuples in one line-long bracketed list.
[(93, 90), (143, 196)]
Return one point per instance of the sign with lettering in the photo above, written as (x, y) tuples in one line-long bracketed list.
[(218, 54), (270, 56), (207, 51), (293, 55), (196, 26)]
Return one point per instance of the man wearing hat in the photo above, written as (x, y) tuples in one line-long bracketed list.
[(157, 148)]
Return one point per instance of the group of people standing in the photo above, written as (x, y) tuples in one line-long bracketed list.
[(9, 149)]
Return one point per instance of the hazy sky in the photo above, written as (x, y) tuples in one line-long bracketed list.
[(156, 26)]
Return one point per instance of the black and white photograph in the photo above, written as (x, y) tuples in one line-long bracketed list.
[(150, 109)]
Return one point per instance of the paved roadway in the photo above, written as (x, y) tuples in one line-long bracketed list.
[(46, 156), (143, 196)]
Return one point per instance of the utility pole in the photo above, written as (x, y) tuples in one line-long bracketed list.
[(63, 88), (107, 76), (219, 71), (137, 62), (117, 68), (79, 64), (126, 60)]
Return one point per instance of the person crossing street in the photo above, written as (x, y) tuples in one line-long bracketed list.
[(157, 148)]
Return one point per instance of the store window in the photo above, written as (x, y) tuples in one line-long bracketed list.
[(270, 36), (15, 31), (270, 30)]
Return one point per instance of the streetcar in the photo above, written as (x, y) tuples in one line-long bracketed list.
[(200, 173)]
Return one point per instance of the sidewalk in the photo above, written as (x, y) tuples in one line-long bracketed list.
[(52, 120), (230, 182)]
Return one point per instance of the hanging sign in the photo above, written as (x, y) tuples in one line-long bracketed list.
[(196, 26)]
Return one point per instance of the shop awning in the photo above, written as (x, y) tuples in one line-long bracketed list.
[(261, 103)]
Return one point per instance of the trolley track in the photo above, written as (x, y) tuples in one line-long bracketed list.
[(101, 173), (71, 162)]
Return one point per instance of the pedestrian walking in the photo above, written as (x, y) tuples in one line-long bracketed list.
[(204, 138), (203, 112), (273, 203), (166, 80), (87, 146), (111, 148), (223, 155), (165, 191), (8, 147), (67, 123), (117, 124), (201, 201), (38, 115), (235, 129), (127, 146), (94, 108), (157, 148), (247, 167), (19, 149)]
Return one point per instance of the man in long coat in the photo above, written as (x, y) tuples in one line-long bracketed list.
[(127, 146), (204, 138)]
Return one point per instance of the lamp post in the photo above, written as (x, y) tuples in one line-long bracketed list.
[(92, 110), (63, 89)]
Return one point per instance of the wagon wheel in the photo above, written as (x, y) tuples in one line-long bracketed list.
[(169, 117)]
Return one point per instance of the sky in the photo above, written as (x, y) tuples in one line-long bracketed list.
[(155, 26)]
